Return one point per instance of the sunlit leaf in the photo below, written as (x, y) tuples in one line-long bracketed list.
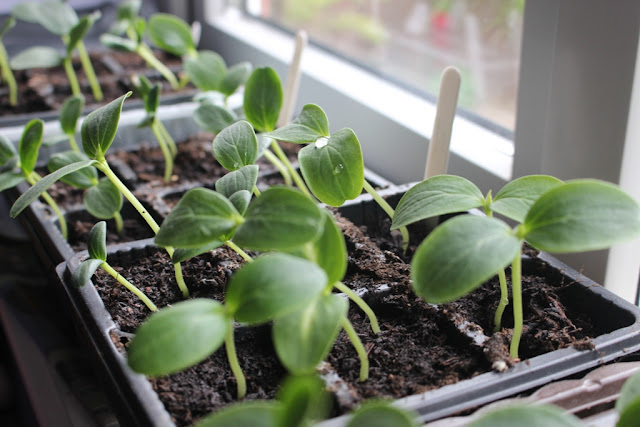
[(170, 33), (206, 70), (517, 196), (99, 128), (263, 99)]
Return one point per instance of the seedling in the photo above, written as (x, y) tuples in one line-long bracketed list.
[(151, 96), (98, 259), (465, 251), (5, 68), (447, 194), (70, 112), (20, 166), (60, 19)]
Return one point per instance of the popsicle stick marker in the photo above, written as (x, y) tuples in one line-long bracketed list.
[(293, 80), (438, 154)]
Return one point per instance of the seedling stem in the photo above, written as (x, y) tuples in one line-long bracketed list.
[(294, 174), (7, 76), (232, 356), (89, 71), (71, 75), (516, 287), (280, 166), (357, 344), (106, 267), (237, 249), (360, 303)]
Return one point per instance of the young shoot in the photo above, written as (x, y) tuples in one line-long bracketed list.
[(447, 194), (70, 112), (332, 165), (465, 251), (59, 18), (98, 259), (20, 166), (5, 68)]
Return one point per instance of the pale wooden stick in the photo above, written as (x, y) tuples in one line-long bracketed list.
[(293, 80), (438, 156)]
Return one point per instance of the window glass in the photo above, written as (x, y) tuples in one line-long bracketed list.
[(411, 41)]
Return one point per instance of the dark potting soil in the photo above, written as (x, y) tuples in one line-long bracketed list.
[(45, 89), (420, 347)]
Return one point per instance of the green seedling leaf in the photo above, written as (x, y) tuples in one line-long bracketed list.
[(206, 70), (118, 43), (438, 195), (581, 215), (99, 128), (303, 338), (171, 34), (263, 143), (36, 57), (97, 247), (57, 17), (272, 286), (152, 99), (527, 416), (201, 217), (103, 200), (27, 11), (70, 112), (244, 178), (181, 255), (381, 414), (213, 118), (41, 186), (246, 414), (178, 337), (296, 133), (84, 178), (8, 24), (263, 99), (517, 196), (128, 10), (311, 124), (280, 219), (240, 200), (10, 180), (84, 272), (461, 254), (628, 404), (7, 150), (333, 168), (302, 401), (29, 145), (235, 77), (79, 31), (236, 146)]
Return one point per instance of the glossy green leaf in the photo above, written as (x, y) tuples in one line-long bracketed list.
[(280, 219), (517, 196), (628, 403), (57, 17), (527, 416), (7, 150), (10, 179), (438, 195), (181, 255), (201, 217), (128, 10), (235, 77), (581, 215), (314, 117), (236, 146), (244, 178), (97, 246), (84, 272), (255, 413), (118, 43), (460, 255), (70, 112), (303, 399), (630, 416), (99, 128), (27, 11), (84, 178), (79, 31), (272, 286), (296, 133), (213, 118), (178, 337), (206, 70), (303, 338), (103, 200), (41, 186), (311, 124), (152, 99), (36, 57), (171, 34), (29, 145), (7, 24), (240, 200), (333, 169), (263, 99), (381, 414)]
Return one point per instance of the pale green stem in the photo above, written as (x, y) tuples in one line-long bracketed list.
[(357, 344), (256, 191), (137, 292), (294, 173), (71, 75), (516, 290), (73, 143), (237, 249), (117, 218), (168, 158), (7, 76), (180, 280), (232, 356), (32, 179), (280, 166), (89, 71), (168, 138), (504, 301), (146, 54), (360, 303), (389, 210)]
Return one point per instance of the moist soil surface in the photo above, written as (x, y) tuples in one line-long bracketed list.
[(420, 346), (45, 89)]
